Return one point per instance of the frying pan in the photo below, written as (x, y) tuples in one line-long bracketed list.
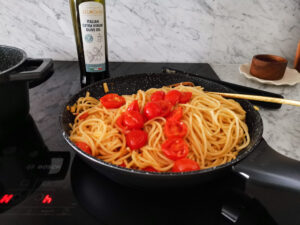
[(258, 163)]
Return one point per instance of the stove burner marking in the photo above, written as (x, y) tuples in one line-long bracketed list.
[(6, 199), (47, 199)]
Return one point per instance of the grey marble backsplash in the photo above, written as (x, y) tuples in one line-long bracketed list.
[(227, 31)]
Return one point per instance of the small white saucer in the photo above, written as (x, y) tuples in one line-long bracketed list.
[(290, 77)]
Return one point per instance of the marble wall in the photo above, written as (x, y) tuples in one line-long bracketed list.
[(227, 31)]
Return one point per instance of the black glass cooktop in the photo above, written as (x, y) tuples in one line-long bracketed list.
[(43, 182)]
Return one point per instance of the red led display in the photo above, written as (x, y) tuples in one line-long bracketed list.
[(47, 199), (6, 199)]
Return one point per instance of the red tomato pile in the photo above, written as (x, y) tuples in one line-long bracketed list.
[(175, 147), (131, 123), (175, 130)]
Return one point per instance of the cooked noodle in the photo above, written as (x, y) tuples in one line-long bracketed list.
[(216, 130)]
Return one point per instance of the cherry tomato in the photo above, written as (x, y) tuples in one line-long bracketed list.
[(145, 117), (136, 139), (133, 120), (185, 164), (150, 169), (123, 165), (120, 122), (173, 96), (158, 95), (157, 108), (175, 148), (84, 147), (166, 107), (130, 120), (174, 128), (176, 114), (84, 116), (185, 97), (152, 110), (112, 101), (134, 106)]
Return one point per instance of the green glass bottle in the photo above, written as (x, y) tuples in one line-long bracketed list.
[(89, 23)]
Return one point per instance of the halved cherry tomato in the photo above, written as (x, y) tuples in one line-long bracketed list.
[(133, 120), (150, 169), (175, 148), (84, 116), (145, 117), (152, 110), (166, 107), (130, 120), (84, 147), (176, 114), (158, 95), (174, 128), (185, 97), (136, 139), (120, 123), (173, 96), (112, 101), (134, 106), (157, 108), (185, 164)]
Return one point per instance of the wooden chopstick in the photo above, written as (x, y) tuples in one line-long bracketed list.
[(247, 97), (259, 98)]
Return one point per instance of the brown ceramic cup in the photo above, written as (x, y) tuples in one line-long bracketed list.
[(268, 67)]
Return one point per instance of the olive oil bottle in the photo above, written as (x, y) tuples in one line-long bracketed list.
[(89, 23)]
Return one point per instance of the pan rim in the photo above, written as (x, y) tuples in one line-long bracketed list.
[(147, 173)]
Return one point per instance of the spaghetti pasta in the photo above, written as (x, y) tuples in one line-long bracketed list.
[(216, 130)]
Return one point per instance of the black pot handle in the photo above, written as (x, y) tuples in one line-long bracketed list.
[(264, 166), (60, 175), (36, 71)]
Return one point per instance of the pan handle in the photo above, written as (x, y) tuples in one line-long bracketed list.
[(265, 167), (36, 71)]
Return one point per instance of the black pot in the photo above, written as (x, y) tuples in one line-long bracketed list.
[(17, 74)]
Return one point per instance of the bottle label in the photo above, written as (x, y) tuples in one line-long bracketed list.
[(92, 30)]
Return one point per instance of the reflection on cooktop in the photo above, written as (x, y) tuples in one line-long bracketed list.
[(222, 202)]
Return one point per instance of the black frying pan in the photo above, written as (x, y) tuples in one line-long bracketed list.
[(258, 162)]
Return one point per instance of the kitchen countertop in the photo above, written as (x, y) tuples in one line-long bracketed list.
[(281, 126)]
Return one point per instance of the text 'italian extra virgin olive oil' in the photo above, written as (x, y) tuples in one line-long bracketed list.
[(89, 22)]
